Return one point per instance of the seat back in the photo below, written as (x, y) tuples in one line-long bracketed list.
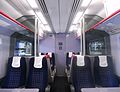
[(81, 73), (38, 77), (104, 75), (68, 60), (15, 76), (52, 60)]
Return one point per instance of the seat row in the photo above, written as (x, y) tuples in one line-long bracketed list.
[(40, 72), (83, 75)]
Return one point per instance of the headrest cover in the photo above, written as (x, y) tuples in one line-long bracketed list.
[(80, 60), (50, 54), (103, 61), (38, 61), (16, 62), (70, 54)]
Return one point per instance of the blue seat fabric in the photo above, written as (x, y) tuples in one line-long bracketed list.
[(38, 77), (15, 77), (105, 76), (82, 75)]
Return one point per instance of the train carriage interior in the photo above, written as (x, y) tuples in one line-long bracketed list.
[(59, 46)]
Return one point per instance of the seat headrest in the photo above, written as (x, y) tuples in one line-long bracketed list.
[(70, 54), (50, 54), (16, 62), (38, 61), (80, 60), (103, 61)]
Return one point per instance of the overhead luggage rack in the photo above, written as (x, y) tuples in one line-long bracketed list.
[(9, 25), (111, 24)]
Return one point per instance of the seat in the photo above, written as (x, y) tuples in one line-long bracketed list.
[(16, 73), (52, 60), (81, 73), (38, 75), (68, 59), (51, 66), (104, 72)]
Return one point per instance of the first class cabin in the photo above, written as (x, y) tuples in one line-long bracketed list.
[(59, 46)]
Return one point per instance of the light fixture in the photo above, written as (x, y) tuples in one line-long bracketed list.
[(85, 3), (33, 4), (47, 27), (72, 28), (77, 17), (43, 27), (41, 17)]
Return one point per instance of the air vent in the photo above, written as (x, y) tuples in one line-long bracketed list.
[(43, 6), (72, 13), (45, 11)]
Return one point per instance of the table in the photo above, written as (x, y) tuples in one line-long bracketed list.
[(108, 89)]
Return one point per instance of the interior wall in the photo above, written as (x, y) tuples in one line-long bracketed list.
[(4, 53), (60, 44), (47, 44), (115, 51), (72, 43)]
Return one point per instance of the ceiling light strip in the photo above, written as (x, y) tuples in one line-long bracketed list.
[(73, 10), (41, 18)]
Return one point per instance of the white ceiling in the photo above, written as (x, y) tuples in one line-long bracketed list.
[(59, 10)]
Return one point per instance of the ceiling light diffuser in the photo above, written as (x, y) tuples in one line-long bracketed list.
[(43, 27), (77, 17), (41, 17), (48, 28), (72, 28)]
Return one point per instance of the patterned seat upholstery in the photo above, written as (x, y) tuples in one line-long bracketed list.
[(104, 76), (38, 77), (52, 61), (15, 77), (82, 75)]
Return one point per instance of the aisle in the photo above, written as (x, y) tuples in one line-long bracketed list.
[(60, 85)]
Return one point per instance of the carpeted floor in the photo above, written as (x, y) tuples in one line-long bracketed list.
[(60, 85)]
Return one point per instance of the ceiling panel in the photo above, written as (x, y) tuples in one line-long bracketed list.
[(65, 9), (53, 10), (59, 11)]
